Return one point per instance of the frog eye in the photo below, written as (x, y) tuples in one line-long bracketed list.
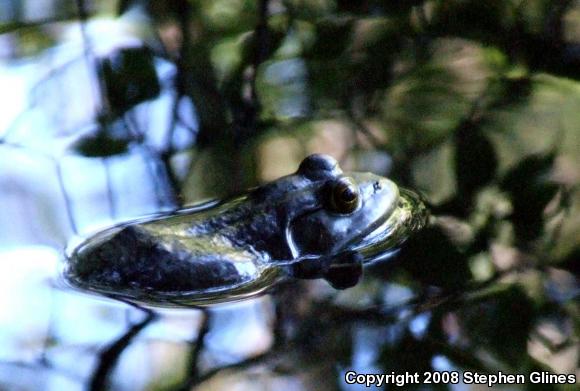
[(344, 196)]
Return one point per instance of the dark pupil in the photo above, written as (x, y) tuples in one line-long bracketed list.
[(348, 194)]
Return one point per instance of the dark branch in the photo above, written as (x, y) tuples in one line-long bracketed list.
[(110, 355)]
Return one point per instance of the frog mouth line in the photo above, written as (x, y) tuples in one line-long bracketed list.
[(409, 216)]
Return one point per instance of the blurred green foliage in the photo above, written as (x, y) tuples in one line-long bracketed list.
[(475, 102)]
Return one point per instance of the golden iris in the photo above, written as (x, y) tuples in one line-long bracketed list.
[(344, 196)]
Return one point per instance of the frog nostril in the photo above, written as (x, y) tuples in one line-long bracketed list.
[(377, 186)]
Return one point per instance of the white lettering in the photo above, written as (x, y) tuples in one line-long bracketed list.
[(349, 377)]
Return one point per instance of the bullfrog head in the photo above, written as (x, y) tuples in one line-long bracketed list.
[(362, 218), (316, 223)]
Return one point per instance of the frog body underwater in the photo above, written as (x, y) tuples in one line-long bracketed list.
[(316, 223)]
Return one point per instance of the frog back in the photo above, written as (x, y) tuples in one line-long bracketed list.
[(131, 263)]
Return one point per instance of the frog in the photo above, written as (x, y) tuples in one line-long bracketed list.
[(317, 223)]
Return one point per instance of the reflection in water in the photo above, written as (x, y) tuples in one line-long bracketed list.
[(455, 112), (55, 339), (55, 185), (57, 334)]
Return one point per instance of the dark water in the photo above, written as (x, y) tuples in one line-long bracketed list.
[(493, 286)]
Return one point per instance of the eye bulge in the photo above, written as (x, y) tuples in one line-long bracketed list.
[(344, 196)]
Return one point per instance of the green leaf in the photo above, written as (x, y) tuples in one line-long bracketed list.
[(475, 159), (431, 258), (530, 188), (432, 98), (332, 38), (501, 324)]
